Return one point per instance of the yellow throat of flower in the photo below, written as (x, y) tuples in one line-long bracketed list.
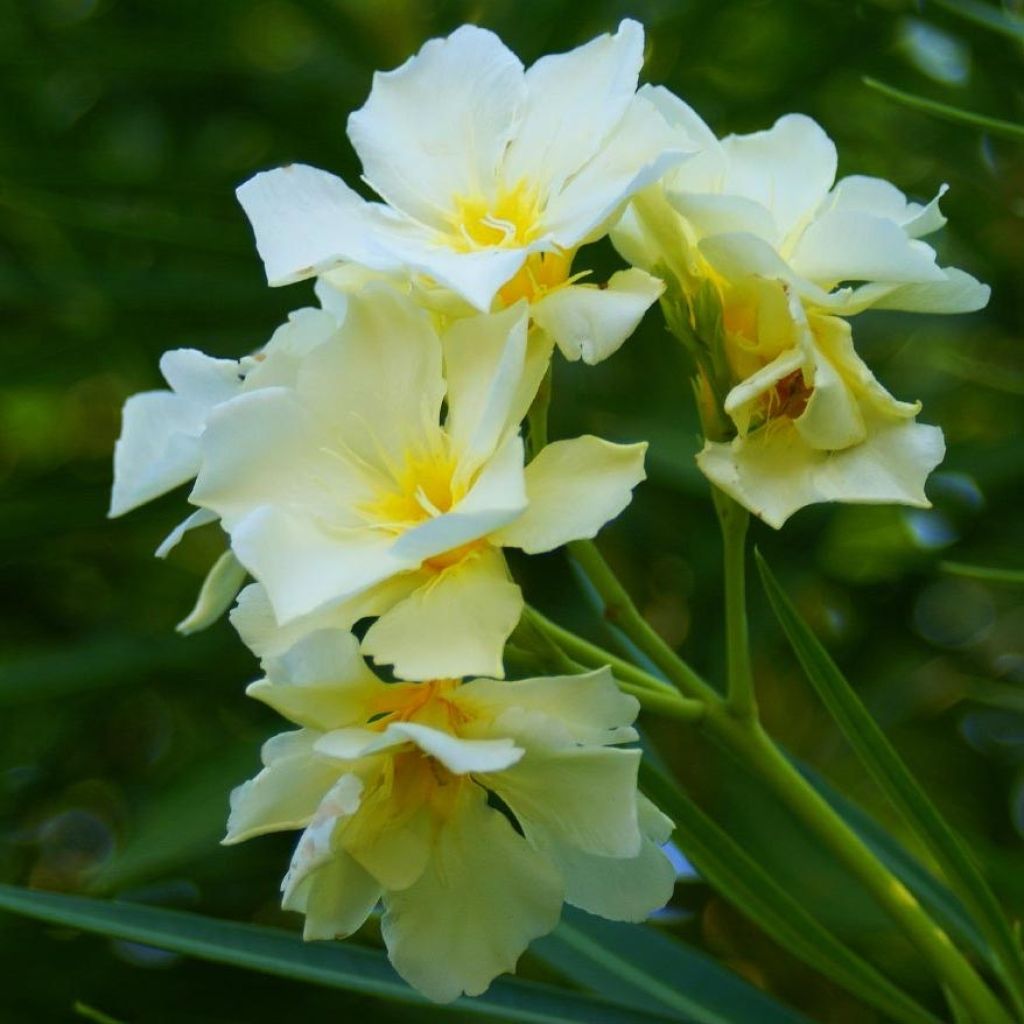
[(510, 221)]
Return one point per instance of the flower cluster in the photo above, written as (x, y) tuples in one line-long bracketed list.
[(368, 463)]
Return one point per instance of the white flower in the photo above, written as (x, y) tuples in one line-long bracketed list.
[(492, 177), (767, 205), (392, 784), (346, 495), (159, 446), (813, 423)]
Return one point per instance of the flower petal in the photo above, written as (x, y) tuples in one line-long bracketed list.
[(437, 127), (774, 472), (592, 323), (455, 625), (484, 896), (574, 487), (201, 517), (584, 797), (337, 897), (307, 221), (554, 710), (573, 102), (286, 793)]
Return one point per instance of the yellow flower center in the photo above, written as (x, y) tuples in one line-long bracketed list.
[(420, 489), (510, 221)]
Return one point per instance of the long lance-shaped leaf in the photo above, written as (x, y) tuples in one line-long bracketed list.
[(272, 951), (894, 778), (987, 15), (1007, 129), (743, 882), (985, 573), (637, 966)]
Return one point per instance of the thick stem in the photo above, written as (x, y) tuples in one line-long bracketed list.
[(733, 519), (620, 611), (752, 744)]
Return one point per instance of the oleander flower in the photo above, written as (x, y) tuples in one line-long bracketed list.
[(348, 495), (812, 422), (159, 447), (767, 205), (492, 178), (471, 810)]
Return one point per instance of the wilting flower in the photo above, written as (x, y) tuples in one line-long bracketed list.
[(492, 178), (159, 447), (346, 495), (813, 423), (471, 810), (766, 205)]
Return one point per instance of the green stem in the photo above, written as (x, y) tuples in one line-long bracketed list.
[(751, 743), (745, 738), (620, 611), (733, 520), (537, 416), (575, 654)]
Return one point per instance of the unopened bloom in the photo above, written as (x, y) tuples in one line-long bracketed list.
[(492, 177), (812, 422), (767, 205), (394, 787), (347, 494), (159, 446)]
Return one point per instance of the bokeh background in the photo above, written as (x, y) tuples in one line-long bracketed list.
[(124, 129)]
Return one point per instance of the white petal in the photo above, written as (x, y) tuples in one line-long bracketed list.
[(497, 497), (304, 566), (485, 358), (264, 448), (455, 625), (286, 793), (336, 898), (958, 292), (253, 615), (642, 148), (377, 385), (321, 683), (774, 473), (459, 756), (618, 888), (307, 221), (704, 169), (437, 127), (158, 449), (592, 323), (201, 517), (574, 101), (584, 797), (845, 245), (277, 364), (574, 487), (586, 709), (484, 896), (788, 169), (712, 214)]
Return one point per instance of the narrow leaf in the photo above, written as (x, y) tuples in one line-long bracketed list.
[(744, 883), (280, 953), (894, 778), (987, 15), (1011, 577), (636, 965), (1007, 129)]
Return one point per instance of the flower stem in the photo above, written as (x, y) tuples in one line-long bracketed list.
[(733, 520), (744, 736), (748, 739), (620, 611)]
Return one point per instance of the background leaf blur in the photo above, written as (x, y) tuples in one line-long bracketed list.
[(124, 129)]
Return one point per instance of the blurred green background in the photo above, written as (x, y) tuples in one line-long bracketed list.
[(124, 129)]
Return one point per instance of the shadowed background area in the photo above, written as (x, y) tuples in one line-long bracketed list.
[(124, 129)]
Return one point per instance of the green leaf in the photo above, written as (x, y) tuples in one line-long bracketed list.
[(744, 883), (894, 778), (1007, 129), (986, 15), (280, 953), (1011, 577), (637, 966)]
